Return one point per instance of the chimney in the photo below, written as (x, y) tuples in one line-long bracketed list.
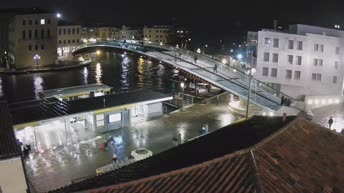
[(275, 24)]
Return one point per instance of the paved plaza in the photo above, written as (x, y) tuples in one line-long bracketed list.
[(323, 114), (57, 167)]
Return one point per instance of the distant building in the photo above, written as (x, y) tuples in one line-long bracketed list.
[(157, 34), (92, 34), (68, 37), (127, 33), (28, 33), (183, 37), (304, 61)]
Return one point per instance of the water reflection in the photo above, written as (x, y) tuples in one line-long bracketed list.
[(38, 85), (125, 73), (85, 75), (98, 73)]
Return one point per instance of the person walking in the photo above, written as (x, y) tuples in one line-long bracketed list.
[(282, 100), (284, 118), (215, 68), (195, 58), (330, 122)]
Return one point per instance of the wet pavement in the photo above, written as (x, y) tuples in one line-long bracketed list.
[(323, 114), (58, 167)]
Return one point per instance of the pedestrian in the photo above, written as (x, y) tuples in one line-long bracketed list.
[(282, 100), (195, 58), (215, 68), (284, 117), (285, 101), (330, 122)]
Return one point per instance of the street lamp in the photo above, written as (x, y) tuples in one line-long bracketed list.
[(58, 15), (198, 50), (36, 58), (98, 52), (224, 61), (182, 85)]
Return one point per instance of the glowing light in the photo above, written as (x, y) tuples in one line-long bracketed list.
[(330, 101), (239, 56), (182, 85), (264, 114), (310, 102), (271, 114), (58, 15), (234, 70), (98, 72), (323, 101), (224, 61), (189, 39), (316, 101), (98, 52), (232, 50), (160, 43), (337, 101), (198, 50)]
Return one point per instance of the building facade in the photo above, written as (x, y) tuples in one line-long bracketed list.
[(157, 34), (305, 61), (32, 38), (68, 38), (127, 33)]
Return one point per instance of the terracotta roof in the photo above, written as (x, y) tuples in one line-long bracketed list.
[(301, 157), (8, 144)]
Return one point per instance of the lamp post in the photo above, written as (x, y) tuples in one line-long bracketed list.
[(36, 58), (182, 85)]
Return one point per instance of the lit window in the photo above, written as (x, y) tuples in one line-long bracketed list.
[(42, 21), (115, 117), (100, 120)]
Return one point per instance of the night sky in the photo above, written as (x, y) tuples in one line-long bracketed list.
[(208, 19)]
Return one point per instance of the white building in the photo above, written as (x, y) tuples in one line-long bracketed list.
[(127, 33), (305, 61), (68, 38), (31, 32)]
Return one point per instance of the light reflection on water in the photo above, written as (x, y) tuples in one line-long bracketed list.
[(123, 72)]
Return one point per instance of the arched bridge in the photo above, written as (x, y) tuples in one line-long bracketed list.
[(227, 78)]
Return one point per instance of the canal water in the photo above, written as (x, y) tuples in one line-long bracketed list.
[(122, 72)]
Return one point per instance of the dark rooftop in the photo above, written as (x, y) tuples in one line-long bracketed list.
[(24, 11), (52, 108), (224, 141), (8, 144)]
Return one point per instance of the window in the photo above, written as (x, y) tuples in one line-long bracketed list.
[(73, 41), (60, 31), (267, 41), (273, 72), (316, 47), (64, 31), (48, 21), (24, 22), (275, 57), (77, 31), (36, 34), (23, 35), (64, 41), (288, 74), (157, 36), (322, 48), (315, 62), (42, 33), (115, 117), (36, 47), (77, 41), (297, 75), (30, 47), (100, 120), (42, 47), (320, 62), (60, 41), (316, 77), (160, 36), (276, 43), (36, 22), (299, 60), (73, 31), (69, 41), (336, 65), (334, 80), (30, 34), (30, 22), (265, 71), (337, 50), (42, 22), (48, 33), (299, 45), (291, 44), (266, 56), (290, 59), (68, 31)]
